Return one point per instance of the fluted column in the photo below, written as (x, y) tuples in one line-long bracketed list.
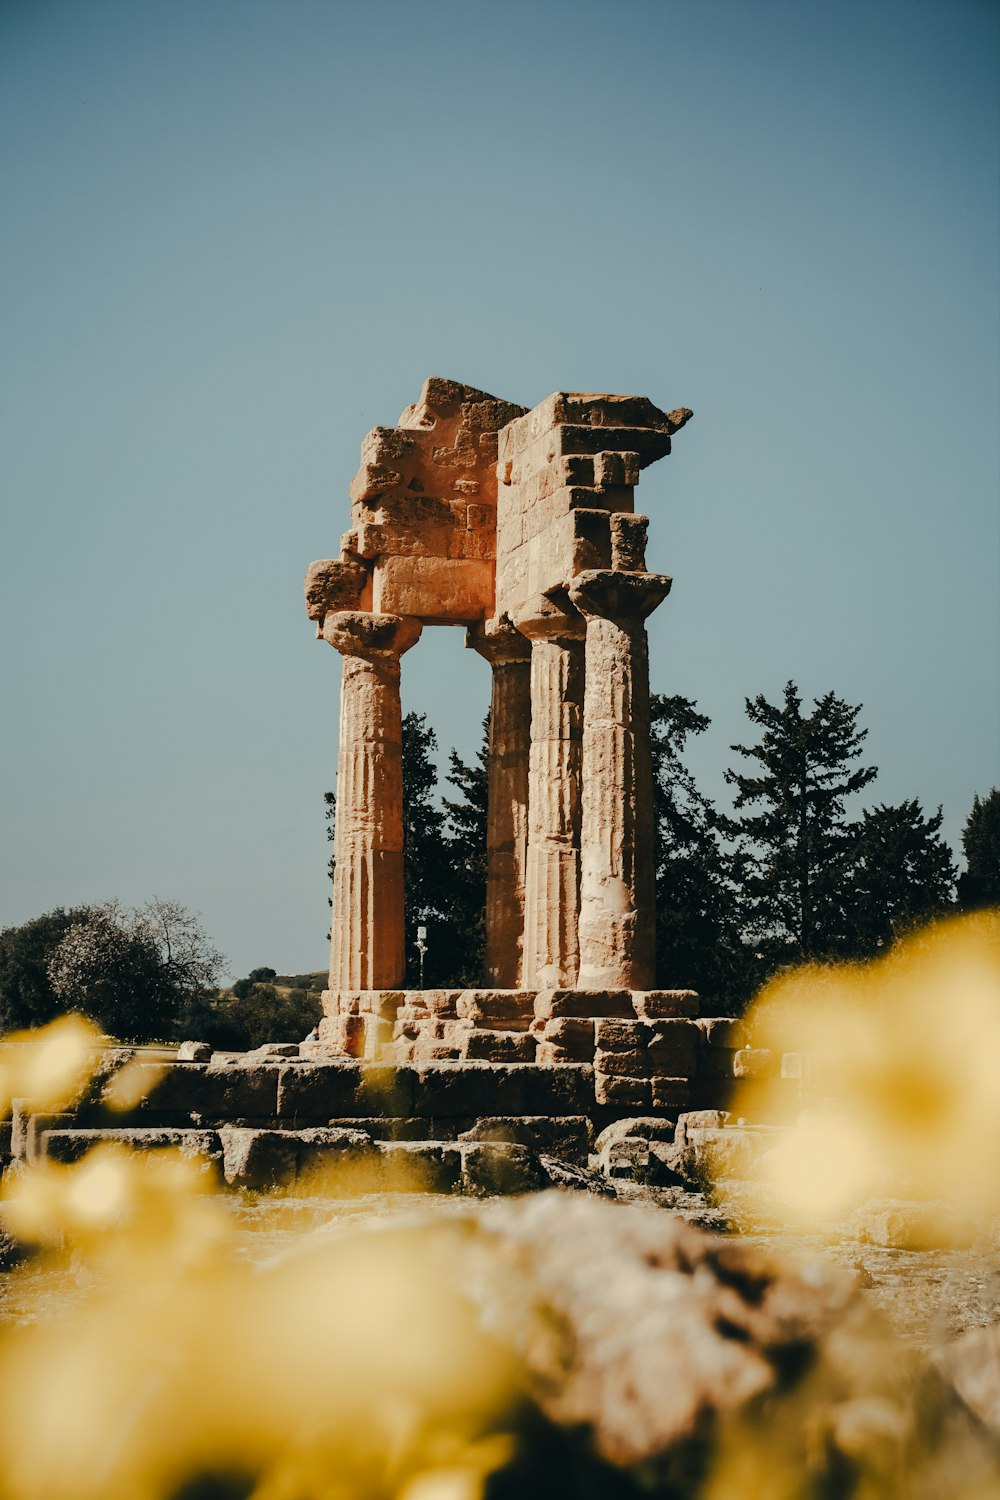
[(552, 875), (366, 931), (509, 655), (617, 883)]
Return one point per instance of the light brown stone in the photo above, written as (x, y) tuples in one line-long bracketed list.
[(509, 655), (553, 858), (522, 526), (617, 898), (366, 950)]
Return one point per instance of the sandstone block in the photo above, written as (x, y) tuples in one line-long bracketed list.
[(314, 1093), (565, 1136), (588, 1004), (635, 1127), (420, 1166), (551, 1055), (258, 1159), (494, 1169), (482, 1088), (497, 1010), (699, 1119), (570, 1032), (670, 1093), (215, 1093), (721, 1031), (616, 1035), (194, 1052), (435, 589), (628, 543), (756, 1062), (70, 1145), (629, 1093), (635, 1063), (499, 1046), (429, 1049), (655, 1005)]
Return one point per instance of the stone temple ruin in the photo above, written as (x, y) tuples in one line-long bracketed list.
[(521, 527)]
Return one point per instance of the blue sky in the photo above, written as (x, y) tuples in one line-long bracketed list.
[(237, 235)]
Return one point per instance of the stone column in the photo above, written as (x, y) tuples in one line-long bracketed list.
[(509, 654), (366, 931), (617, 893), (552, 876)]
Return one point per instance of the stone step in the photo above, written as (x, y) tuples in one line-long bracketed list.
[(299, 1092), (335, 1162)]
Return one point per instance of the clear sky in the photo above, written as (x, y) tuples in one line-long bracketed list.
[(236, 234)]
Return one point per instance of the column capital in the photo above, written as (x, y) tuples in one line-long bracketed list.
[(332, 584), (374, 637), (624, 597), (498, 641), (545, 619)]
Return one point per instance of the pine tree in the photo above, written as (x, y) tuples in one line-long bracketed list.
[(903, 874), (980, 884), (697, 946), (798, 850), (426, 856), (467, 815)]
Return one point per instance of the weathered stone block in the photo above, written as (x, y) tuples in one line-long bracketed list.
[(213, 1092), (670, 1093), (420, 1166), (636, 1063), (722, 1031), (314, 1093), (258, 1158), (499, 1046), (629, 1093), (70, 1145), (756, 1062), (636, 1127), (495, 1168), (628, 543), (436, 589), (194, 1052), (565, 1136), (655, 1005), (497, 1010), (482, 1088), (570, 1032), (583, 1003)]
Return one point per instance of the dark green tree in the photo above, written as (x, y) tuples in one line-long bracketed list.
[(697, 943), (466, 819), (979, 885), (26, 994), (902, 874), (426, 856), (795, 847)]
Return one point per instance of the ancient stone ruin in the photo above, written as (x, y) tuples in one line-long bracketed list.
[(521, 527)]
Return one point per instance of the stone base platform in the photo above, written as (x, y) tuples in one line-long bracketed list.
[(649, 1049)]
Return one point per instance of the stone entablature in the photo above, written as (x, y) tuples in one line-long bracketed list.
[(521, 526)]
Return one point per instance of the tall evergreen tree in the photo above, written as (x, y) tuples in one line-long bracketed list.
[(902, 874), (467, 816), (980, 884), (798, 849), (697, 945), (426, 855)]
